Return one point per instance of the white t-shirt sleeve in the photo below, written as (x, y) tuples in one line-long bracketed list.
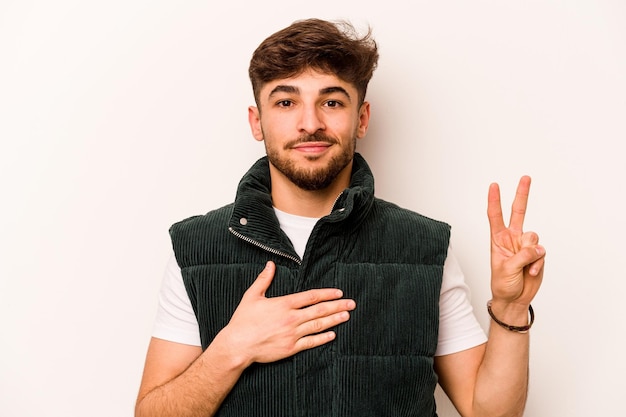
[(175, 318), (458, 328)]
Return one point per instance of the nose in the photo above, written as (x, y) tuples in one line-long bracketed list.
[(311, 120)]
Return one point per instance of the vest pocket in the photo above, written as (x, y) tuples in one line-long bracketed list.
[(385, 386)]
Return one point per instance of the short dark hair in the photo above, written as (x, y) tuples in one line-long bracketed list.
[(330, 47)]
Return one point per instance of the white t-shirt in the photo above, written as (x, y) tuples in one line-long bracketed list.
[(458, 328)]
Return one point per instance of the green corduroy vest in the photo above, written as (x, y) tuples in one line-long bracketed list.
[(388, 259)]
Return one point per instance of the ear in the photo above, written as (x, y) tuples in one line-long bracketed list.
[(364, 120), (254, 118)]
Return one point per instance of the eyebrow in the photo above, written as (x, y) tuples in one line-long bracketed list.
[(295, 90), (330, 90), (284, 89)]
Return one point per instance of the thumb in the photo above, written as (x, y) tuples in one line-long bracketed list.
[(528, 255), (263, 280)]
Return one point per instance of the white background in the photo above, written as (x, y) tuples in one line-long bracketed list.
[(119, 118)]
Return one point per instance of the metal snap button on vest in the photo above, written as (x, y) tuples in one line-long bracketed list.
[(243, 221)]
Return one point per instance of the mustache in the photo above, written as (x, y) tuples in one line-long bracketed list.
[(315, 137)]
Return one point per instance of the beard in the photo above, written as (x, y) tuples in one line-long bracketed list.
[(312, 179)]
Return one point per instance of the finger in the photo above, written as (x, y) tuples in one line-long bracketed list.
[(313, 341), (323, 323), (529, 239), (326, 309), (312, 297), (263, 280), (536, 268), (494, 209), (518, 210)]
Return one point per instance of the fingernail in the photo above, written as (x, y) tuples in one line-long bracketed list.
[(540, 250)]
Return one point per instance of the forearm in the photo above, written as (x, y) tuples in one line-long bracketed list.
[(502, 380), (198, 391)]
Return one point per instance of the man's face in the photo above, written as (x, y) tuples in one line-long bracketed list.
[(310, 124)]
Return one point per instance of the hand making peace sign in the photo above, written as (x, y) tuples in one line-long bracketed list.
[(517, 259)]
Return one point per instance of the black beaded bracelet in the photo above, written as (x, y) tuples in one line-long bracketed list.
[(518, 329)]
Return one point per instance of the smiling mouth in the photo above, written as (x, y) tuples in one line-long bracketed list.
[(312, 147)]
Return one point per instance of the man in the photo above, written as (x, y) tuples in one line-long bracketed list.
[(359, 308)]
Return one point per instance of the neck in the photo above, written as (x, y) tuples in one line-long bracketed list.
[(288, 197)]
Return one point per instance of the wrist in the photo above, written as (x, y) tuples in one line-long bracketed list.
[(232, 356), (515, 317)]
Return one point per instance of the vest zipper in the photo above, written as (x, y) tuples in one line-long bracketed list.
[(264, 247), (335, 203), (272, 250)]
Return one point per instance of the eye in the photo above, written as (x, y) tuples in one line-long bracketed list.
[(333, 103), (284, 103)]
